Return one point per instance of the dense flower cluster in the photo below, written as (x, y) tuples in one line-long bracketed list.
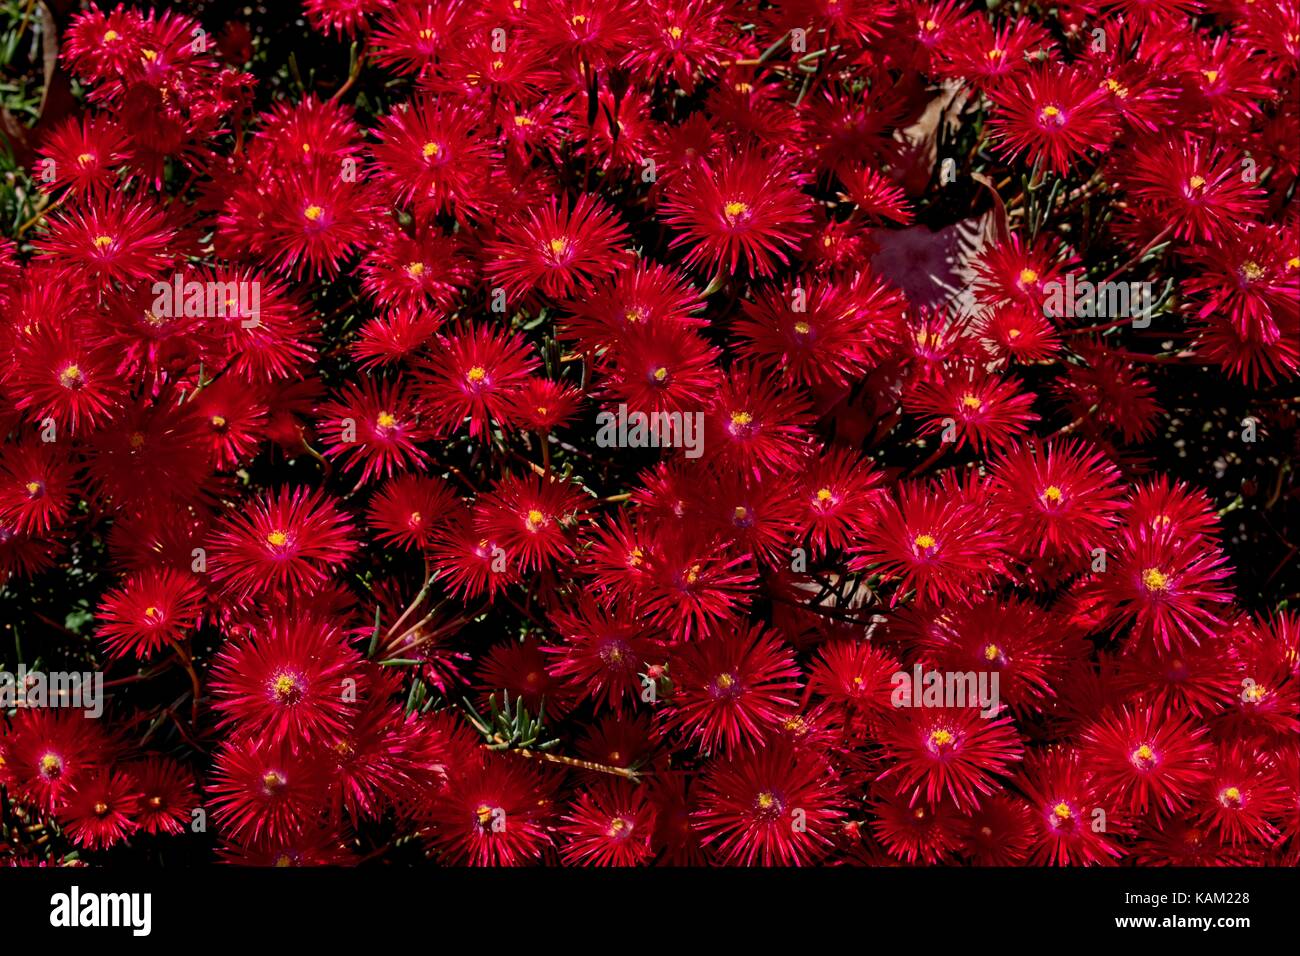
[(308, 381)]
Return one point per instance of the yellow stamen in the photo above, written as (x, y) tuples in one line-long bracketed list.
[(103, 242), (386, 420), (992, 652), (415, 269), (313, 212), (277, 539), (476, 374), (924, 541), (1155, 579), (1028, 276), (1052, 493), (972, 402)]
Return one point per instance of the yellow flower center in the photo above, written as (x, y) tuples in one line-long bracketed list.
[(415, 269), (1062, 811), (85, 159), (766, 801), (103, 242), (675, 32), (110, 36), (660, 374), (431, 150), (1028, 276), (1052, 493), (734, 210), (803, 328), (313, 212), (1155, 579), (217, 421), (70, 376), (386, 420), (1252, 271), (1196, 182), (277, 539), (741, 418), (992, 652), (33, 487), (972, 402), (535, 520), (924, 541), (824, 494), (476, 374)]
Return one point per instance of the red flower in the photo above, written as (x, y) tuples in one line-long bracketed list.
[(1060, 498), (604, 655), (375, 426), (494, 812), (1074, 822), (411, 509), (939, 545), (477, 375), (101, 811), (151, 609), (743, 206), (292, 680), (531, 517), (1146, 759), (609, 825), (773, 807), (1053, 116), (953, 752), (1169, 588), (264, 790), (730, 691), (558, 250), (113, 238), (167, 796), (49, 753), (285, 542)]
